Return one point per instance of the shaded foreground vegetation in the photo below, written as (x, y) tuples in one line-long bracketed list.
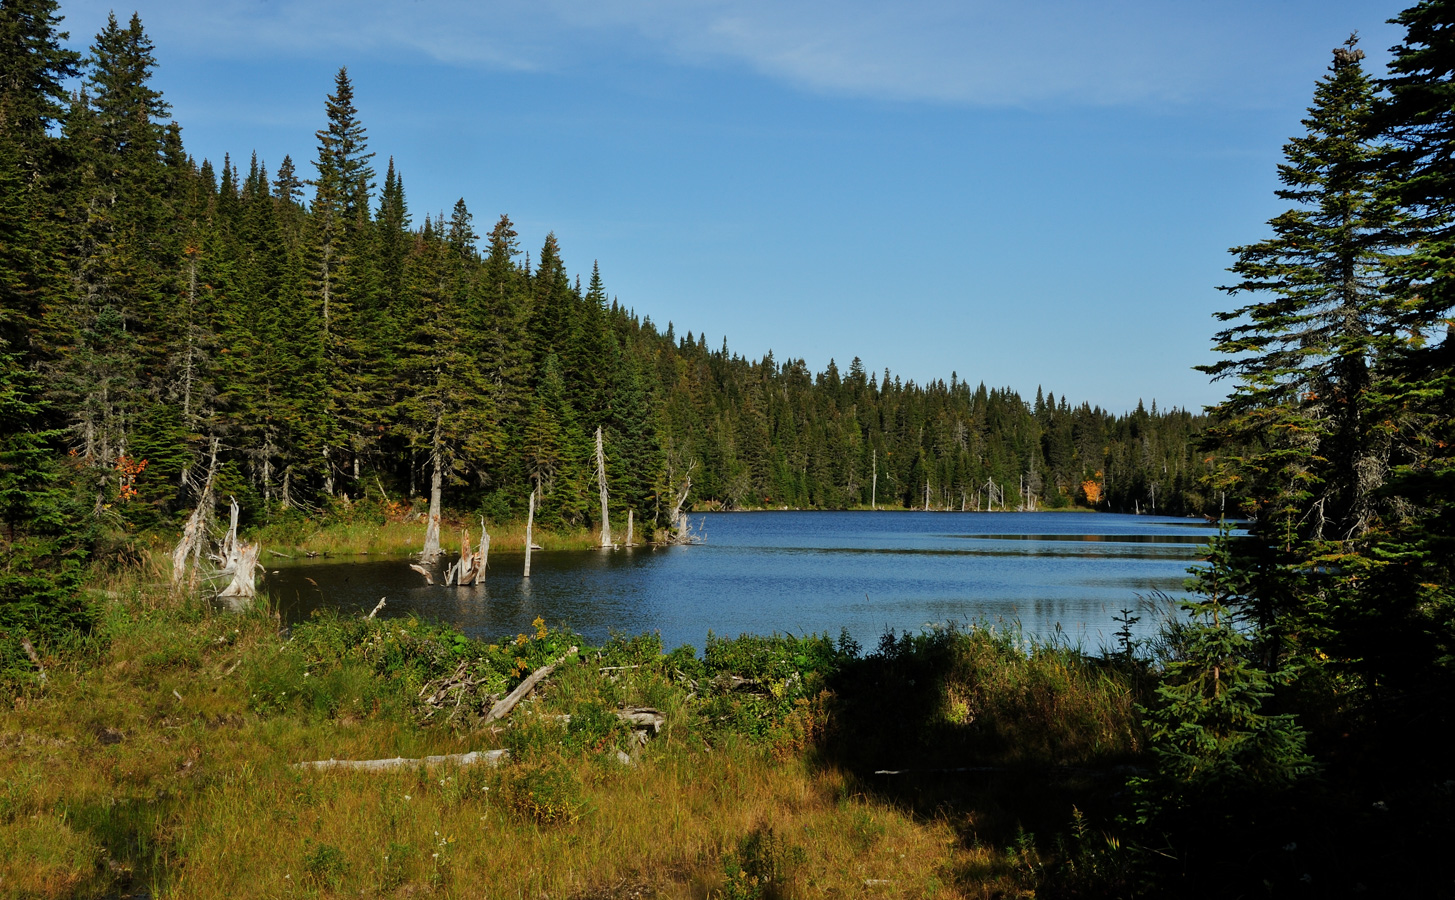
[(156, 759)]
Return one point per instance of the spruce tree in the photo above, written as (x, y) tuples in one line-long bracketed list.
[(338, 221), (1303, 350), (1303, 428), (1402, 636)]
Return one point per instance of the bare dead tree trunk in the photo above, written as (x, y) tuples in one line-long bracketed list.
[(459, 573), (194, 533), (482, 556), (681, 532), (431, 550), (244, 584), (601, 481), (239, 560), (530, 518), (629, 535)]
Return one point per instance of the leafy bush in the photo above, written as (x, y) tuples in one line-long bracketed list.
[(545, 792), (762, 867)]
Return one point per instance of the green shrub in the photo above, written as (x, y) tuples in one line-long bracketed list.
[(325, 865), (546, 793), (762, 867)]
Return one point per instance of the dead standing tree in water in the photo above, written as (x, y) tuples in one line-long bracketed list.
[(606, 543), (431, 552), (240, 561), (680, 531), (530, 520), (470, 568)]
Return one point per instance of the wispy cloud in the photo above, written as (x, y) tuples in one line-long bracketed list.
[(976, 52)]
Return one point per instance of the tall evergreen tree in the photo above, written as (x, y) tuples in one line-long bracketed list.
[(1302, 351), (338, 220)]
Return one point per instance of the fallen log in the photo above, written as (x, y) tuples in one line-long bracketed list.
[(503, 708), (377, 608), (640, 718), (428, 578), (643, 718), (477, 757)]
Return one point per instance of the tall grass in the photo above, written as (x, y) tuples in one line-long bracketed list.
[(162, 762), (331, 537)]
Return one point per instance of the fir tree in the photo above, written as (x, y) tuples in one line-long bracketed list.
[(1303, 350)]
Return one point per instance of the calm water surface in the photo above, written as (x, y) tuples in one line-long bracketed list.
[(799, 572)]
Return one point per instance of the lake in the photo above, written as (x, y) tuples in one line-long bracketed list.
[(799, 572)]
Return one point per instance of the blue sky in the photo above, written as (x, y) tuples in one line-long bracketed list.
[(1031, 193)]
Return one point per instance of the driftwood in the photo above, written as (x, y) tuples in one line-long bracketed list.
[(477, 757), (643, 718), (1121, 771), (428, 578), (451, 691), (502, 709), (376, 609)]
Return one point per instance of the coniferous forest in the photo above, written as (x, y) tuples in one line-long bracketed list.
[(323, 340), (293, 334)]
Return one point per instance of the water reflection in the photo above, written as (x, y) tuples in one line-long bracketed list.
[(799, 572)]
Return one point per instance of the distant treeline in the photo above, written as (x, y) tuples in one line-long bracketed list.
[(299, 333)]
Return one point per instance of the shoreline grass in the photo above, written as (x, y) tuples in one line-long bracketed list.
[(370, 532), (177, 730)]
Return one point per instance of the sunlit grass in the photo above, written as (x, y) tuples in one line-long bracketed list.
[(161, 762)]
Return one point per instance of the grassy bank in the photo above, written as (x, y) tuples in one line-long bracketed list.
[(370, 528), (378, 536), (158, 762)]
